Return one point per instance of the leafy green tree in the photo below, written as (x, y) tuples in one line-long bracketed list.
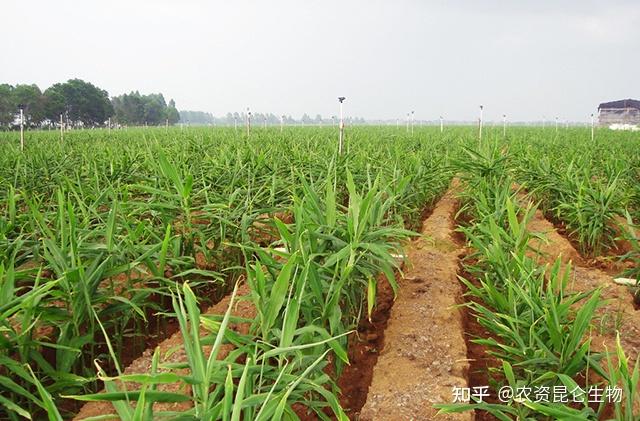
[(172, 113), (137, 109), (129, 108), (29, 97), (7, 106), (154, 109), (82, 101), (54, 103)]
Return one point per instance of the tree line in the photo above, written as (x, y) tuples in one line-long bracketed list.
[(81, 104), (230, 119), (76, 103)]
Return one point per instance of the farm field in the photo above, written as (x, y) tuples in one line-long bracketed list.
[(200, 273)]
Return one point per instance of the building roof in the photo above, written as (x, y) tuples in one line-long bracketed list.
[(623, 103)]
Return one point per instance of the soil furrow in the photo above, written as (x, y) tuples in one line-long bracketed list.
[(424, 354)]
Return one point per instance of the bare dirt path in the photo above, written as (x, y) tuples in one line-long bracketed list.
[(424, 354)]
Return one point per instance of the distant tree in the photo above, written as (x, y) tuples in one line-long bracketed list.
[(79, 100), (29, 97), (7, 106), (55, 103), (129, 108), (136, 109), (172, 113), (155, 109), (196, 117)]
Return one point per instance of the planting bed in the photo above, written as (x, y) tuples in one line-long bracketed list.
[(112, 241), (617, 312)]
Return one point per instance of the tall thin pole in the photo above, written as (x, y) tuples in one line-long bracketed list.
[(281, 123), (61, 129), (248, 122), (341, 138), (504, 125), (412, 120), (21, 129), (441, 124), (480, 124), (593, 128), (109, 124)]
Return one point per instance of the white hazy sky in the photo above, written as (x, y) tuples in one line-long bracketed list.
[(526, 59)]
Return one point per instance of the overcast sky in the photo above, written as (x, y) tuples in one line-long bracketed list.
[(542, 58)]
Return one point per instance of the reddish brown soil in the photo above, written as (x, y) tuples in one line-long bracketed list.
[(399, 372), (480, 362), (364, 350), (172, 351), (263, 231), (424, 354), (612, 260), (617, 312), (553, 245), (354, 381)]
